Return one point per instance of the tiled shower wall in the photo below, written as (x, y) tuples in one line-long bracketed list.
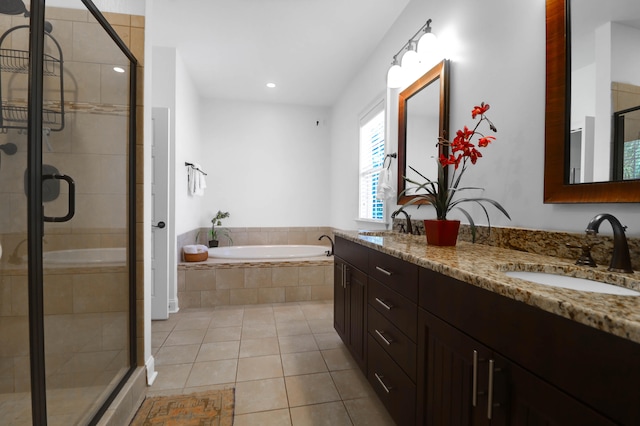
[(91, 146)]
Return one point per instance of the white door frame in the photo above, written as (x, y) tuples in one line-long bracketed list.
[(160, 235)]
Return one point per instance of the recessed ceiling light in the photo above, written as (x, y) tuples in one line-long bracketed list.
[(271, 85), (118, 69)]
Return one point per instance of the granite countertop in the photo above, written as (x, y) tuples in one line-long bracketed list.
[(484, 267)]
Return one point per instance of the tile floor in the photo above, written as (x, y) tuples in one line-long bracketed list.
[(288, 365)]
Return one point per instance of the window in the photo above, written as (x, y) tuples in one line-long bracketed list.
[(371, 162), (631, 160)]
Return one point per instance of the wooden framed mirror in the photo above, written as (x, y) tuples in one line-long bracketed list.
[(423, 117), (557, 186)]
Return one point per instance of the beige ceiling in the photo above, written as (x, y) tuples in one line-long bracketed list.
[(310, 48)]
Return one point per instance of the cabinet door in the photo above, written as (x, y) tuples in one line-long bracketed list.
[(505, 393), (533, 401), (340, 301), (451, 367), (357, 325)]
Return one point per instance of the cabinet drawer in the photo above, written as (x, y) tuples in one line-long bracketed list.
[(396, 273), (395, 389), (393, 341), (402, 312), (353, 253)]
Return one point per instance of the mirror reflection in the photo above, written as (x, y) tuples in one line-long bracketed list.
[(423, 117), (422, 134), (604, 139)]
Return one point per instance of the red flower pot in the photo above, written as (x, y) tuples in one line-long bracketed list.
[(441, 232)]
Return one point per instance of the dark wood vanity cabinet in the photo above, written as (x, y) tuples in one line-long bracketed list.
[(463, 382), (350, 297), (439, 351), (527, 366)]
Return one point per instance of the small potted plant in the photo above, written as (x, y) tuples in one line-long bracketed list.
[(215, 234), (444, 196)]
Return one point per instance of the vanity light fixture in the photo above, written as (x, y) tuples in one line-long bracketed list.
[(118, 69), (271, 85), (420, 48)]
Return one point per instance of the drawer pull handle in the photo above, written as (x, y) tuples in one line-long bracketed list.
[(384, 271), (384, 304), (386, 388), (384, 339)]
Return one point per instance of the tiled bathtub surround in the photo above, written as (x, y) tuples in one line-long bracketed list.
[(223, 282), (259, 236), (549, 243), (218, 282)]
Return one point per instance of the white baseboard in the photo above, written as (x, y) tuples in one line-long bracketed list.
[(151, 370), (173, 306)]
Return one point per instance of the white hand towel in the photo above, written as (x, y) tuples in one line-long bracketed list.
[(196, 182), (386, 189), (202, 183), (191, 180)]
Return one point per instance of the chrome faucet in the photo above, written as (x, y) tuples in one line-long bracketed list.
[(620, 259), (409, 229), (329, 253)]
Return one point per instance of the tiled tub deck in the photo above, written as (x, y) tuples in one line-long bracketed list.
[(217, 282)]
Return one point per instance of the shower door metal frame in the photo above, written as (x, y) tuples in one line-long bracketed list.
[(35, 210)]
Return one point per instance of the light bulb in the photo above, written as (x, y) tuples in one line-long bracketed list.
[(394, 76), (427, 44), (410, 60)]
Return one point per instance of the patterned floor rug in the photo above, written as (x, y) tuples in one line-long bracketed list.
[(213, 408)]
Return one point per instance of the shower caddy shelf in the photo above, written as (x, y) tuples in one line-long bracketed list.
[(13, 61)]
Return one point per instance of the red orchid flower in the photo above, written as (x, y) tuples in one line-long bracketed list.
[(485, 141), (479, 109)]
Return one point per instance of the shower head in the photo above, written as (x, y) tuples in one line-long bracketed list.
[(9, 148), (13, 7)]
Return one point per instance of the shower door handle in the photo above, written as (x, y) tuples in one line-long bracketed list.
[(160, 225), (72, 199)]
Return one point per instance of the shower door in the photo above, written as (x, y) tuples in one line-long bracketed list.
[(67, 215)]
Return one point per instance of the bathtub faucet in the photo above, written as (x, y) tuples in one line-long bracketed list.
[(329, 252), (15, 258)]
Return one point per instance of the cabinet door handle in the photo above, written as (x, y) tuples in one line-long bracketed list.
[(474, 383), (347, 276), (344, 276), (386, 388), (384, 339), (490, 403), (384, 304), (384, 271)]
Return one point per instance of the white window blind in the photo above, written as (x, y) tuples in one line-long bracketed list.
[(371, 162)]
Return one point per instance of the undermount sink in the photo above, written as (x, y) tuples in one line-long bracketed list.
[(572, 283)]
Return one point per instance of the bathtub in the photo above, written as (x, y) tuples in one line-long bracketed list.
[(268, 252), (91, 256)]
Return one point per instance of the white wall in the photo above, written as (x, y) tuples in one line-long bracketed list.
[(626, 61), (508, 72), (188, 148), (268, 164), (131, 7)]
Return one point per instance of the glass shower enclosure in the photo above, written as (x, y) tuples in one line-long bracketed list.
[(67, 213)]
